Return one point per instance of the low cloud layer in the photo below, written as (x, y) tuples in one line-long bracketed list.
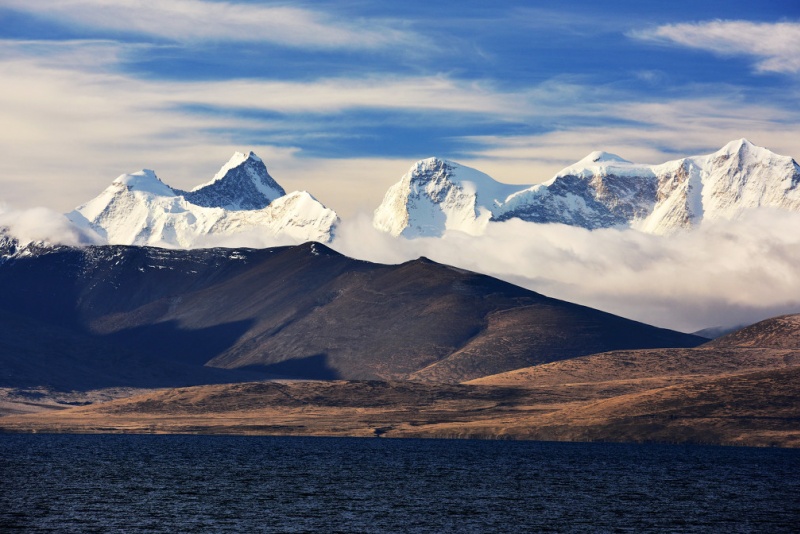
[(725, 273), (46, 225)]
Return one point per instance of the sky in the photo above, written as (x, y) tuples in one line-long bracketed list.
[(341, 98)]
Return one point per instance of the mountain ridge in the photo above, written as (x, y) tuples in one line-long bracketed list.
[(241, 184), (307, 311), (601, 190), (140, 209)]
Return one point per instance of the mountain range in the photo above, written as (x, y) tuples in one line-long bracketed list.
[(140, 209), (144, 339), (415, 349), (600, 191)]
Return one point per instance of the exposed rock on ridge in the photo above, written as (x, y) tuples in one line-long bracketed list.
[(242, 184)]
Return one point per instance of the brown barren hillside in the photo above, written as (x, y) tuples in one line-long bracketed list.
[(778, 333), (759, 408), (743, 389), (633, 365), (756, 409), (332, 408), (728, 395)]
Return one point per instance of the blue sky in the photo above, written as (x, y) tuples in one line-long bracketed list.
[(340, 98)]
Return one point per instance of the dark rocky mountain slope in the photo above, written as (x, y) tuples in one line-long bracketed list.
[(303, 312)]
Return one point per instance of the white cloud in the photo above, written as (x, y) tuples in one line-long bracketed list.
[(87, 69), (71, 123), (725, 273), (776, 46), (196, 20), (337, 94), (348, 186), (644, 132), (44, 224)]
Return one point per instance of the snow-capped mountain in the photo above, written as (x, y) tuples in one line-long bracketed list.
[(600, 191), (723, 185), (437, 195), (241, 184), (140, 209), (9, 245)]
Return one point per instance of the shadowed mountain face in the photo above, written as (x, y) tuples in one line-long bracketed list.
[(304, 312)]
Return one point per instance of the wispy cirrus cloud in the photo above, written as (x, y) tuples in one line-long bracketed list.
[(775, 46), (91, 67), (73, 109), (198, 20), (69, 108), (647, 132)]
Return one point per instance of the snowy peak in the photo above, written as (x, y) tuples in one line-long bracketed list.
[(745, 156), (740, 146), (598, 164), (601, 190), (238, 158), (598, 156), (242, 199), (144, 181), (437, 195), (439, 172), (745, 162), (241, 184)]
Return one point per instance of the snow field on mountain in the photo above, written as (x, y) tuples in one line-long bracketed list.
[(600, 191), (438, 195), (139, 209)]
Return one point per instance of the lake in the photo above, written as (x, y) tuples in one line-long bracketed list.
[(147, 483)]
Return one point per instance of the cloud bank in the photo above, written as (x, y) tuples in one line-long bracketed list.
[(46, 225), (776, 46), (725, 273)]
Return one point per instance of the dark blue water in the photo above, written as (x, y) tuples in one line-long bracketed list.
[(74, 483)]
